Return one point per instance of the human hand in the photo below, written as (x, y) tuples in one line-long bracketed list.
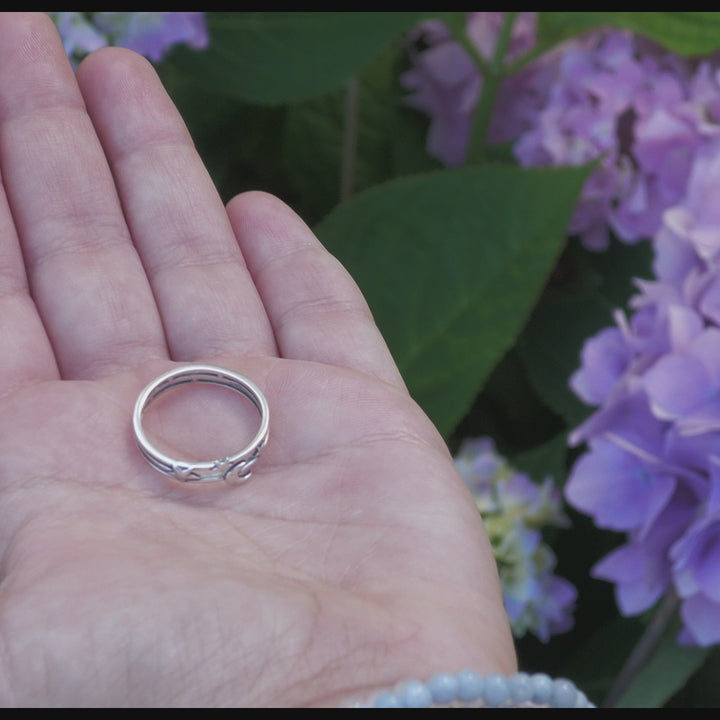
[(353, 558)]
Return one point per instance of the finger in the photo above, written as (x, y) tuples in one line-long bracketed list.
[(25, 351), (206, 296), (316, 309), (84, 274)]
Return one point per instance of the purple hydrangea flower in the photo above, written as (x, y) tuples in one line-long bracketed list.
[(640, 569), (605, 358), (695, 559), (644, 114), (78, 34), (684, 387), (620, 489), (626, 102), (515, 510), (445, 84), (151, 34), (651, 464), (696, 219)]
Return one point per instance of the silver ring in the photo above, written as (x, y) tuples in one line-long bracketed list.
[(234, 469)]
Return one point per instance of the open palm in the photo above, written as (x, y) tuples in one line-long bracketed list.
[(353, 557)]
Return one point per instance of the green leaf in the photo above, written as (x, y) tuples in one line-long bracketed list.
[(509, 410), (702, 690), (546, 460), (281, 57), (665, 673), (390, 138), (451, 263), (314, 133), (685, 33), (551, 344), (596, 664)]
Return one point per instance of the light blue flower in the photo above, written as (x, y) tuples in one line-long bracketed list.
[(515, 510)]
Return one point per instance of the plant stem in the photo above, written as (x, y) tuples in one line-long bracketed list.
[(493, 74), (349, 144), (642, 651)]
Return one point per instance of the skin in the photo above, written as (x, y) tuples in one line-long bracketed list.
[(352, 559)]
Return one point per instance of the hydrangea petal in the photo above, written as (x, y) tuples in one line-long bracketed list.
[(605, 357), (713, 500), (629, 420), (640, 580), (702, 619), (692, 452), (615, 487), (676, 384), (696, 559), (709, 303), (674, 256)]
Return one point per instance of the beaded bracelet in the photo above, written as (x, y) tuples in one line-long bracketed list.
[(468, 689)]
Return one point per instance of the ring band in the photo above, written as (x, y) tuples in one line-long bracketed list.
[(235, 469)]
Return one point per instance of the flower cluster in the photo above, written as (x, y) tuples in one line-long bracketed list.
[(609, 96), (151, 34), (515, 510), (444, 82), (652, 464), (644, 112)]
